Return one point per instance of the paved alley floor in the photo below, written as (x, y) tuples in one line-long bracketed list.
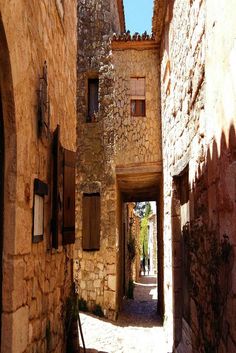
[(137, 329)]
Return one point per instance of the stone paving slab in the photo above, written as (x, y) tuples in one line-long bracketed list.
[(137, 330)]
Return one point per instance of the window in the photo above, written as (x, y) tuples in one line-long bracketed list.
[(92, 99), (137, 93), (40, 190), (91, 221)]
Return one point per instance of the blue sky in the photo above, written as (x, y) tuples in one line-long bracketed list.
[(138, 15)]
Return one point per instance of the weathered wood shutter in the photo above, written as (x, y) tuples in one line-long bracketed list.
[(55, 191), (91, 221), (69, 198)]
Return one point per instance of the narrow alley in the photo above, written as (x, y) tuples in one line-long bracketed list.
[(138, 328), (118, 176)]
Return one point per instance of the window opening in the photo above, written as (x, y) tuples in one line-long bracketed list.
[(92, 99), (138, 98)]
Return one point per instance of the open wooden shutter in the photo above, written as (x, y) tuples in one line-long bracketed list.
[(91, 221), (55, 191), (69, 198)]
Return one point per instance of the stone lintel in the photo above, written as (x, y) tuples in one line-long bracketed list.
[(139, 168)]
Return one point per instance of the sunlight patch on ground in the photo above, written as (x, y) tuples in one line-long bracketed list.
[(153, 293), (101, 335)]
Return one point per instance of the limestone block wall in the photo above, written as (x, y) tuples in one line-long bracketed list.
[(96, 270), (139, 137), (183, 132), (220, 132), (198, 124), (36, 278)]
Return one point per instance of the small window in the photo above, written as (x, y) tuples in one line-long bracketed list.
[(138, 107), (91, 221), (92, 99), (40, 190), (138, 98)]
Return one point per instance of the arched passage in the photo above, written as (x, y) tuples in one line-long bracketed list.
[(7, 182), (143, 183)]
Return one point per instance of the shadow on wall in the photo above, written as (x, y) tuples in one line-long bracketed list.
[(203, 251)]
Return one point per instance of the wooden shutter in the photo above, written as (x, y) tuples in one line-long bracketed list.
[(86, 223), (69, 198), (91, 221), (95, 222), (56, 195)]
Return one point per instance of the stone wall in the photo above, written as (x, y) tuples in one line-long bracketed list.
[(36, 278), (198, 128), (95, 271), (140, 137)]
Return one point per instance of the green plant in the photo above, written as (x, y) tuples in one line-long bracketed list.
[(130, 290), (97, 310), (82, 305)]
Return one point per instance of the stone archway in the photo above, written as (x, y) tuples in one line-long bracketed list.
[(7, 184)]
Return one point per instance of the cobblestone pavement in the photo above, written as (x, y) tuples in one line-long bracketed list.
[(138, 328)]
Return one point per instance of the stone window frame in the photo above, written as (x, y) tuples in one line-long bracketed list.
[(137, 99)]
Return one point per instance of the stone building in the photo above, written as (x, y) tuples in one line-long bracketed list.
[(38, 90), (197, 61), (119, 146)]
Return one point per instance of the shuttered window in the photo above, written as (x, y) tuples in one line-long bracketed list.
[(92, 99), (56, 236), (138, 107), (91, 221), (137, 96), (69, 198)]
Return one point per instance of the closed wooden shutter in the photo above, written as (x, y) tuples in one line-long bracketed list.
[(69, 198), (86, 223), (91, 221)]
